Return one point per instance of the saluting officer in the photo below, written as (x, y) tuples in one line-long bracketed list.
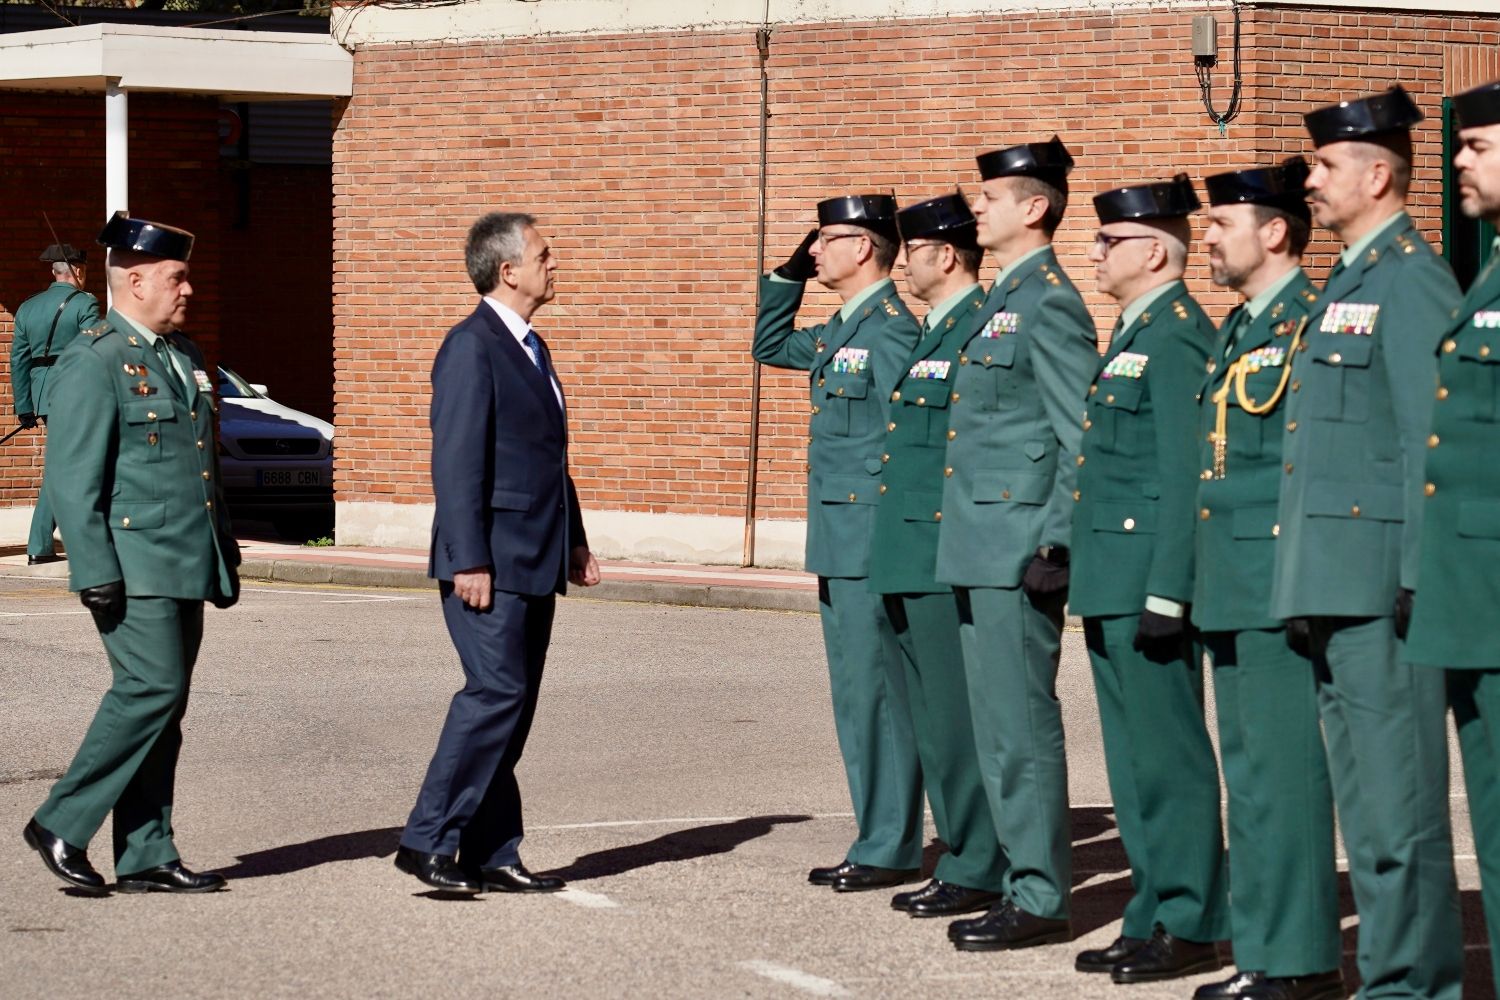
[(942, 269), (1354, 443), (1459, 570), (1132, 579), (45, 324), (134, 475), (853, 363), (1283, 887), (1003, 545)]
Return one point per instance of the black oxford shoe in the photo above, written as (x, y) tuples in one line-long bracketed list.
[(42, 560), (170, 877), (1167, 957), (1106, 958), (69, 863), (862, 878), (903, 900), (515, 878), (1005, 927), (1318, 986), (439, 871), (825, 876), (951, 900), (1230, 989)]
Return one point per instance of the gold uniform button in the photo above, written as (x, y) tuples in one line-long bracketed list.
[(1354, 511), (1289, 468), (1093, 389), (1206, 474), (1077, 495), (955, 397), (952, 435), (882, 489), (1005, 494), (921, 400), (896, 396), (1335, 358), (1129, 524), (963, 359), (1296, 385), (124, 522), (891, 426), (1449, 346), (841, 390), (1275, 531), (937, 515), (1291, 425), (150, 414), (817, 409), (886, 457), (209, 504), (851, 498), (988, 358), (1429, 489), (194, 414), (1432, 441), (1442, 392), (820, 382), (1080, 459), (948, 472), (1110, 398), (1087, 423), (200, 445), (1484, 350), (1204, 513), (205, 473)]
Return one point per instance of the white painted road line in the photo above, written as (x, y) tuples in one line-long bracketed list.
[(795, 978), (41, 614), (587, 900), (673, 821), (343, 595)]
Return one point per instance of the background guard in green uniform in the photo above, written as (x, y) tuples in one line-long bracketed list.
[(1007, 507), (1452, 622), (45, 324), (942, 268), (854, 361), (135, 481), (1353, 448), (1283, 886), (1132, 577)]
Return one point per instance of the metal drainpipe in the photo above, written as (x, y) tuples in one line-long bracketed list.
[(763, 46)]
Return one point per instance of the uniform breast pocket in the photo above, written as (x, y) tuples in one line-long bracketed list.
[(1474, 388), (995, 359), (144, 420), (1112, 424), (1341, 376), (847, 403), (925, 403)]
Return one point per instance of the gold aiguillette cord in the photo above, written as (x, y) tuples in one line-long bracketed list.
[(1238, 372)]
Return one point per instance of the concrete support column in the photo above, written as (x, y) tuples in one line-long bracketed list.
[(116, 150)]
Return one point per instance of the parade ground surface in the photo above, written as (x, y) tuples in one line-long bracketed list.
[(682, 776)]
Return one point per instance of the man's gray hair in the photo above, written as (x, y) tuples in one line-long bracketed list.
[(61, 268), (496, 238)]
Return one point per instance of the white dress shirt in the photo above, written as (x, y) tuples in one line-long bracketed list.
[(519, 328)]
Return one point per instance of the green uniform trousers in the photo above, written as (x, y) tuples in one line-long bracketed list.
[(1385, 726), (1164, 781), (1011, 649), (1475, 695), (40, 541), (927, 629), (128, 760), (1283, 880), (873, 721)]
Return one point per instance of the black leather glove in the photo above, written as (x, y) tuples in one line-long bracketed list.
[(1159, 633), (1046, 574), (224, 601), (800, 266), (106, 599), (28, 420), (1299, 636), (1404, 600)]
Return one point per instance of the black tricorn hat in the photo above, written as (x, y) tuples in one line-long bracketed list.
[(1282, 187), (876, 212), (1480, 106), (947, 218), (1048, 161), (63, 253), (1164, 200), (1359, 119), (122, 232)]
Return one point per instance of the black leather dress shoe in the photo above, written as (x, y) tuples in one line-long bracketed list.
[(50, 557), (1259, 986), (1005, 927), (515, 878), (437, 870), (951, 900), (1106, 958), (862, 878), (1167, 957), (903, 900), (825, 876), (170, 877), (69, 863)]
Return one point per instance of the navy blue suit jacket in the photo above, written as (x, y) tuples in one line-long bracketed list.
[(499, 463)]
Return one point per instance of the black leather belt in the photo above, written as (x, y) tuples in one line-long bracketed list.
[(44, 362)]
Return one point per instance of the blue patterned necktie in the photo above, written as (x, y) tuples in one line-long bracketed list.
[(534, 345)]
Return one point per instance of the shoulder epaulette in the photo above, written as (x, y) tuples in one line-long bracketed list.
[(1179, 309), (1309, 296), (99, 329), (1407, 246), (890, 310), (1051, 275)]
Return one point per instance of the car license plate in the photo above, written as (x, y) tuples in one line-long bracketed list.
[(288, 477)]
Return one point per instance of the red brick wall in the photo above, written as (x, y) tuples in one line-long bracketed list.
[(639, 153)]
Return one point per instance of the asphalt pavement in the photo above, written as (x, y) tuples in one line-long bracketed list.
[(682, 775)]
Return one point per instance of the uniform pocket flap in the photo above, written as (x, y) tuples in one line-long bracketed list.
[(503, 499), (132, 515), (847, 386), (1005, 486), (1350, 350), (148, 411), (1485, 353), (1379, 503), (873, 465), (1126, 518), (1479, 519), (1255, 522), (922, 507), (848, 489), (929, 393), (1120, 394), (1035, 450), (997, 352)]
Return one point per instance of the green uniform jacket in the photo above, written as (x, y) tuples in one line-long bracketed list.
[(1460, 542), (132, 475), (1014, 428), (1236, 547), (1356, 431), (853, 369), (1138, 477), (903, 553), (34, 318)]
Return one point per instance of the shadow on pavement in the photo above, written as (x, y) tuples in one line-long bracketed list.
[(310, 854), (680, 845)]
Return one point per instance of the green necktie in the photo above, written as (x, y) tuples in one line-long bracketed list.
[(1237, 324), (165, 354)]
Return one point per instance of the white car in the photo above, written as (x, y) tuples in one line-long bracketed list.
[(276, 462)]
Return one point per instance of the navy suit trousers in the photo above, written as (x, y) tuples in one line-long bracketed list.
[(470, 804)]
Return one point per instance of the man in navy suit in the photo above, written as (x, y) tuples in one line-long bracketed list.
[(507, 538)]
